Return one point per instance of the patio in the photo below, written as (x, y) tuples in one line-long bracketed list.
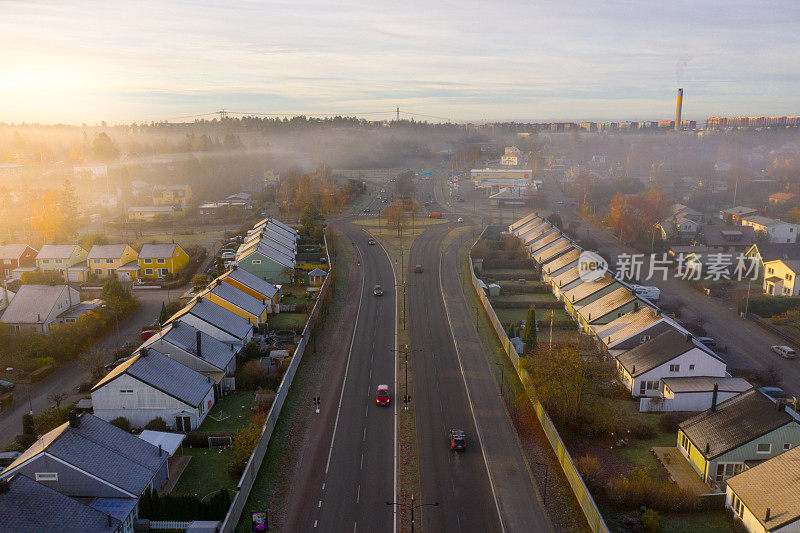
[(680, 471)]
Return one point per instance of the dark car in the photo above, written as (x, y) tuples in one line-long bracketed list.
[(417, 268), (6, 386), (708, 341), (378, 290), (458, 440)]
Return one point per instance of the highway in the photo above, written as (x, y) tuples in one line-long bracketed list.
[(359, 474)]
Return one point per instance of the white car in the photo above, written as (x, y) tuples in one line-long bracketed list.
[(460, 219), (784, 351)]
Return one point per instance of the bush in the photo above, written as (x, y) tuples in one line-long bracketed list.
[(52, 418), (651, 521), (669, 421), (637, 488), (157, 424), (40, 373), (25, 441), (45, 361), (122, 423), (244, 442), (642, 431), (768, 306), (28, 425), (6, 399), (591, 471), (183, 507)]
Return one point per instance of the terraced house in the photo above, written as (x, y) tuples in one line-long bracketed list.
[(59, 257), (15, 256), (236, 301), (159, 261), (105, 259)]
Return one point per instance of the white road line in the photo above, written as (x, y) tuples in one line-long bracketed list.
[(361, 467), (469, 398), (323, 485), (347, 367), (319, 504), (365, 434), (315, 523), (358, 494)]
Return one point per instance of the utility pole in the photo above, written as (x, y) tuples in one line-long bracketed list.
[(398, 113)]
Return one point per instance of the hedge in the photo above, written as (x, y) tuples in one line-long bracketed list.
[(40, 373), (6, 399), (768, 306)]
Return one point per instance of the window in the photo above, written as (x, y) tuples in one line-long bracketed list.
[(45, 261), (763, 447), (46, 476), (787, 446), (109, 261), (691, 367), (674, 368), (685, 442), (57, 261), (126, 391), (148, 271), (788, 277), (96, 261), (148, 261), (161, 261), (738, 508), (98, 271), (726, 470), (256, 261)]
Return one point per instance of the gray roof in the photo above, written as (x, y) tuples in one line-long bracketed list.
[(537, 233), (543, 241), (772, 251), (103, 251), (162, 373), (553, 250), (730, 236), (268, 252), (102, 450), (184, 336), (219, 317), (734, 422), (657, 351), (706, 384), (151, 209), (627, 325), (57, 251), (606, 304), (530, 226), (80, 309), (252, 281), (557, 263), (33, 303), (588, 288), (567, 277), (239, 298), (740, 210), (521, 222), (761, 220), (157, 251), (30, 506), (12, 251)]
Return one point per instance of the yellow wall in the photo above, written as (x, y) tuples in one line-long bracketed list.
[(696, 458), (253, 319), (128, 255), (174, 264), (247, 290)]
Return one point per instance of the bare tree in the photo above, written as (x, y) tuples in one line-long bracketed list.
[(57, 398)]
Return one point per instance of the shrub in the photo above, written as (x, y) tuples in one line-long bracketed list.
[(244, 441), (28, 425), (40, 373), (52, 418), (251, 376), (637, 488), (6, 399), (641, 430), (669, 421), (183, 507), (26, 441), (45, 361), (768, 306), (157, 424), (591, 471), (651, 521), (122, 423)]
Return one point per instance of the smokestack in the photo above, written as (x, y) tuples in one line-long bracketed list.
[(678, 109), (199, 344), (714, 397)]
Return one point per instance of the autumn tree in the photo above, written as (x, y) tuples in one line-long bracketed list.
[(68, 203), (104, 148), (46, 216), (561, 378), (396, 216)]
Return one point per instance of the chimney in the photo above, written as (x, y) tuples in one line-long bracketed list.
[(199, 341), (635, 305), (143, 352), (708, 448), (199, 299), (208, 378), (234, 266), (678, 110), (73, 419), (766, 516), (658, 312), (714, 397), (633, 370), (159, 450), (781, 405)]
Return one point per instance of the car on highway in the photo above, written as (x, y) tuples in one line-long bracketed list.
[(6, 386), (784, 351), (382, 396), (708, 341), (458, 440), (371, 242), (367, 210), (417, 268), (378, 290), (460, 219)]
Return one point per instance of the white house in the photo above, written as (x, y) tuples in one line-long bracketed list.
[(776, 230), (780, 277), (150, 385), (696, 393), (671, 354), (37, 307)]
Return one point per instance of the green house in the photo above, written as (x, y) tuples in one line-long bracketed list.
[(269, 263)]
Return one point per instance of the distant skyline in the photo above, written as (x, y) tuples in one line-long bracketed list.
[(141, 61)]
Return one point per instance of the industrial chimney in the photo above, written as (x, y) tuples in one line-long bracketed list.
[(678, 109)]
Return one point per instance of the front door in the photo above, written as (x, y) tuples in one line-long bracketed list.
[(183, 423)]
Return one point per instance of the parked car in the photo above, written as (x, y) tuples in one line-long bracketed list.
[(147, 333), (708, 341), (378, 290), (418, 268), (458, 440), (651, 293), (382, 396), (784, 351), (436, 215), (6, 386)]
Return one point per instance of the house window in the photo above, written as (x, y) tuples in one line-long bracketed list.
[(148, 261), (674, 368), (685, 442), (256, 261), (787, 446), (46, 476), (148, 271), (57, 261), (45, 261), (109, 261), (788, 277), (726, 470), (97, 261), (691, 367), (738, 508), (98, 271), (126, 391), (763, 447), (161, 261), (770, 270)]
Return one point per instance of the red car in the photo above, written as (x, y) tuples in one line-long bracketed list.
[(147, 333), (382, 397)]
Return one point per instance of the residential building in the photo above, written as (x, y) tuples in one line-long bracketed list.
[(175, 195), (511, 157), (780, 277), (252, 285), (272, 222), (273, 237), (27, 505), (678, 227), (747, 429), (543, 242), (586, 292), (150, 212), (150, 385), (252, 309), (607, 308), (78, 311), (59, 257), (103, 260), (215, 320), (566, 281), (514, 227), (670, 354), (553, 250), (199, 351), (764, 497), (631, 330), (532, 236), (159, 261), (554, 266), (776, 230), (694, 393), (734, 215), (212, 210), (762, 252), (267, 262), (5, 298), (780, 198), (89, 458), (16, 256), (37, 307), (729, 239)]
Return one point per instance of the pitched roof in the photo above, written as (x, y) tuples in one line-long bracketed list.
[(57, 251), (160, 372), (536, 234), (730, 235), (184, 337), (237, 297), (551, 265), (31, 506), (553, 250), (217, 316), (33, 303), (706, 384), (772, 251), (104, 251), (657, 351), (251, 281), (269, 252), (627, 325), (531, 225), (761, 220), (101, 449), (734, 422), (519, 223), (567, 277), (773, 485), (740, 210), (606, 304), (543, 241), (587, 288), (12, 251), (317, 272), (158, 251)]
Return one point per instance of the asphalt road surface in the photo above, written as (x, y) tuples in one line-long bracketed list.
[(360, 471)]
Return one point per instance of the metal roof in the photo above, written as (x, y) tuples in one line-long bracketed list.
[(657, 351), (158, 251), (217, 316), (606, 304), (773, 251), (519, 223), (734, 422), (251, 281), (588, 288), (566, 277), (552, 250), (184, 336), (627, 325), (706, 384), (268, 252), (107, 251), (237, 297), (33, 303), (169, 442), (57, 251)]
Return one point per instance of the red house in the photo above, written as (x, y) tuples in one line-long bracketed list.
[(14, 256)]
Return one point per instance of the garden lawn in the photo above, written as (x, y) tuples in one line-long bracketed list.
[(293, 321), (233, 409), (524, 297), (186, 241), (206, 472), (638, 451), (507, 315)]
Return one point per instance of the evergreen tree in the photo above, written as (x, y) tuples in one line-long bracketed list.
[(162, 316), (529, 331)]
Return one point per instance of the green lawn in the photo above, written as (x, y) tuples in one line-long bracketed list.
[(524, 297), (206, 472), (507, 315), (293, 321), (186, 241), (233, 410), (638, 451)]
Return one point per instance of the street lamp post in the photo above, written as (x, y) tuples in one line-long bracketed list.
[(412, 507), (502, 378), (544, 496)]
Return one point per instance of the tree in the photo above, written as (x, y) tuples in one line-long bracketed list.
[(199, 282), (529, 331), (47, 217), (57, 398), (555, 219), (396, 216), (561, 377), (104, 147), (162, 316), (69, 208)]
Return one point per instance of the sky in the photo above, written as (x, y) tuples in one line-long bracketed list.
[(535, 60)]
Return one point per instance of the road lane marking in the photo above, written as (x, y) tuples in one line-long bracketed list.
[(319, 504), (358, 495), (361, 467), (365, 435), (315, 523)]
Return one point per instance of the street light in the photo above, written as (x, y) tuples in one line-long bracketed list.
[(412, 507), (544, 496), (502, 377)]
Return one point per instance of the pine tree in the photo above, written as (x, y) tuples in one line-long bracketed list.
[(162, 316), (529, 331)]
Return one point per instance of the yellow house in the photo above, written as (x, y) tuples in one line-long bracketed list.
[(158, 261), (104, 260), (172, 195), (227, 296), (150, 212)]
